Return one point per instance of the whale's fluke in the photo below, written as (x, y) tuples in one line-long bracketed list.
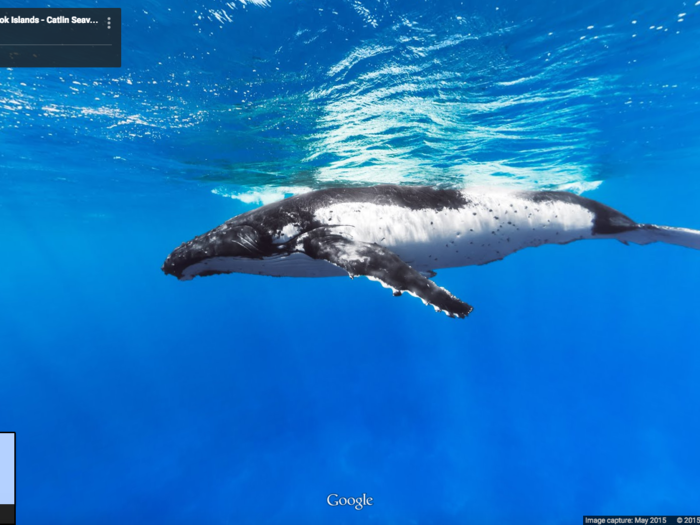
[(650, 233)]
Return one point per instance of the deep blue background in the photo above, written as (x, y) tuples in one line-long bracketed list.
[(571, 390)]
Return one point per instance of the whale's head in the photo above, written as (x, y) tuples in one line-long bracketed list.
[(213, 252)]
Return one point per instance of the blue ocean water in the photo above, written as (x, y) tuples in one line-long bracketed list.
[(573, 387)]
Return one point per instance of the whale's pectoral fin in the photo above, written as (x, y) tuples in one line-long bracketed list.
[(378, 263)]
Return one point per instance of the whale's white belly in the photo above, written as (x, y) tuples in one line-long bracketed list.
[(492, 226)]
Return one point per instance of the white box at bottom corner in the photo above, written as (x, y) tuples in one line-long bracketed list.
[(7, 468)]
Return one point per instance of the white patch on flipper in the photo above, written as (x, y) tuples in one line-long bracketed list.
[(351, 253), (385, 285), (493, 225), (294, 265)]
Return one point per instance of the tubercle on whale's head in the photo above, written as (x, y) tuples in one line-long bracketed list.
[(227, 240), (179, 259)]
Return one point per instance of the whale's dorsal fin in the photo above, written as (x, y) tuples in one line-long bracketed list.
[(380, 264)]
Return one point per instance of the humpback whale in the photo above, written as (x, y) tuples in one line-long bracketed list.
[(399, 235)]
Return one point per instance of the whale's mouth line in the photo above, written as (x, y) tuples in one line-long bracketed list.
[(294, 264)]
